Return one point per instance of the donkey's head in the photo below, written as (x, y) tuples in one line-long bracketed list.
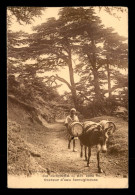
[(108, 128)]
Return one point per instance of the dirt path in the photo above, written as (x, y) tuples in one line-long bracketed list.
[(60, 158), (55, 157)]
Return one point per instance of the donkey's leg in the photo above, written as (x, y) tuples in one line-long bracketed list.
[(98, 158), (85, 148), (81, 154), (89, 155), (98, 161), (69, 141)]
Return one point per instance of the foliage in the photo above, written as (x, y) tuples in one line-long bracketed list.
[(29, 88), (25, 14), (114, 10), (77, 31)]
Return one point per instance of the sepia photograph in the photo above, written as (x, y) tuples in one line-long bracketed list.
[(67, 97)]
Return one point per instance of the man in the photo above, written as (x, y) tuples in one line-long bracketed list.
[(69, 119)]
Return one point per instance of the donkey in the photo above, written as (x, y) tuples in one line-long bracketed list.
[(96, 134)]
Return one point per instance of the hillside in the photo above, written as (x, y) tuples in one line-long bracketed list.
[(34, 145)]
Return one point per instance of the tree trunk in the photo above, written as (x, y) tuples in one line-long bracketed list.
[(96, 85), (73, 87), (109, 80), (95, 74)]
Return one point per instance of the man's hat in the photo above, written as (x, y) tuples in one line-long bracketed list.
[(73, 109)]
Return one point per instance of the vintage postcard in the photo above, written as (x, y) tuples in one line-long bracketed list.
[(67, 75)]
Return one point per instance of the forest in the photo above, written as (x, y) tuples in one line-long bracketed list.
[(78, 41)]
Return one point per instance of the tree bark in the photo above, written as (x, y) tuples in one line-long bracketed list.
[(96, 84), (73, 86), (95, 74), (109, 80)]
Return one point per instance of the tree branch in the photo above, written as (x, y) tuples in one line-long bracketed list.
[(56, 77), (114, 88), (86, 98), (63, 81)]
